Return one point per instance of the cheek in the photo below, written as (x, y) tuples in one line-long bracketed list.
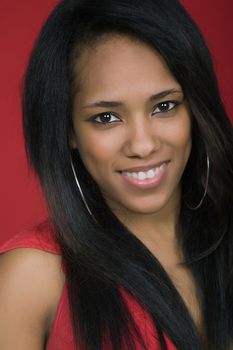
[(178, 134), (182, 138), (98, 149)]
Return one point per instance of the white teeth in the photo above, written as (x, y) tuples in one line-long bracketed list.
[(150, 174), (141, 175)]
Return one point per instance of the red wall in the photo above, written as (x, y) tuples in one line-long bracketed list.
[(21, 202)]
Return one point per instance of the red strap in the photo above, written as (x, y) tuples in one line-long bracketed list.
[(41, 238)]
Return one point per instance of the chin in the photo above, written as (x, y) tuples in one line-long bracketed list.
[(146, 209)]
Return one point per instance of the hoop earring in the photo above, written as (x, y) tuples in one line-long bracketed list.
[(81, 192), (206, 186)]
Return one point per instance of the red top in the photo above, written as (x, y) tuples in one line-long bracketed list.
[(61, 335)]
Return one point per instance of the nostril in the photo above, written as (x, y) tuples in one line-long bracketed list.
[(141, 149)]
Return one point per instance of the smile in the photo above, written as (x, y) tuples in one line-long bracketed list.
[(146, 179), (150, 174)]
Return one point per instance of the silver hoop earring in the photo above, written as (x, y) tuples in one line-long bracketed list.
[(81, 192), (206, 186)]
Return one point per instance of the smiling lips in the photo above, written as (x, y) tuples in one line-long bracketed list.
[(145, 177)]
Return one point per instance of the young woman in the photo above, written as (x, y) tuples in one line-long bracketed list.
[(125, 128)]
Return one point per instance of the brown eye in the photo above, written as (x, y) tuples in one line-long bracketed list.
[(106, 118), (165, 106)]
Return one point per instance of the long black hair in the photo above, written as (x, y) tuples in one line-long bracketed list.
[(102, 257)]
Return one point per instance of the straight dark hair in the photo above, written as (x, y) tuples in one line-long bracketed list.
[(101, 258)]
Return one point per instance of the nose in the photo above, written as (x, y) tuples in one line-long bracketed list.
[(141, 140)]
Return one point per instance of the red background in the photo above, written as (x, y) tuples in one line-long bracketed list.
[(21, 201)]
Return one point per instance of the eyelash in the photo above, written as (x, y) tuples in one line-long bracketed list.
[(175, 103), (159, 105)]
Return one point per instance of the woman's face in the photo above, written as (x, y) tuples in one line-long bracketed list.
[(131, 125)]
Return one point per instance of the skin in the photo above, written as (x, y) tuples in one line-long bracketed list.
[(137, 133), (117, 69), (120, 69), (31, 283)]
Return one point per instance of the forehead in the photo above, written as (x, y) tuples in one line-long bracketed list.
[(115, 64)]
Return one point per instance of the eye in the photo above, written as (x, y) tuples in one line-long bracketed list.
[(166, 106), (105, 118)]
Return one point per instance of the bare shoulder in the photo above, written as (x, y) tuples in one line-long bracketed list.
[(31, 283)]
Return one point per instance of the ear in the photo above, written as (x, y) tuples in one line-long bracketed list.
[(72, 142)]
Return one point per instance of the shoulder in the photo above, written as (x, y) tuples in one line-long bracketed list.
[(31, 282), (41, 237), (33, 272)]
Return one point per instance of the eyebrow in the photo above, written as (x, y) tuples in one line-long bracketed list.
[(119, 103)]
